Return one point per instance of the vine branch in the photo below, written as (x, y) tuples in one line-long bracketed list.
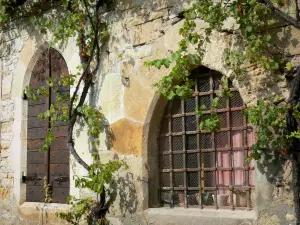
[(87, 77), (292, 126), (297, 10), (280, 14)]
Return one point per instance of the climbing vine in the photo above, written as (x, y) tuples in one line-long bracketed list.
[(99, 175), (81, 19), (251, 17)]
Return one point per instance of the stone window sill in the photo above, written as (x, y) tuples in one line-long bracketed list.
[(42, 212), (199, 216)]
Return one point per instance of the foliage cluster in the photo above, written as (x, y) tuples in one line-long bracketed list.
[(98, 177), (269, 119), (255, 47), (81, 19)]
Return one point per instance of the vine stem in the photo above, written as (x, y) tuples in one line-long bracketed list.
[(87, 78), (280, 13), (297, 10), (296, 184)]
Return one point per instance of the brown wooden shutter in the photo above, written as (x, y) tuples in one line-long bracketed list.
[(53, 164), (37, 162), (59, 154)]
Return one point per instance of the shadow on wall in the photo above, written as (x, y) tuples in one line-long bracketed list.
[(93, 99), (93, 144), (271, 165), (283, 40), (124, 188)]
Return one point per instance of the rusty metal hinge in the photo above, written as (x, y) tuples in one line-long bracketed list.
[(60, 179), (34, 177), (25, 97)]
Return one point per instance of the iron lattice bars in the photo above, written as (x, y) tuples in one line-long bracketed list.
[(206, 169)]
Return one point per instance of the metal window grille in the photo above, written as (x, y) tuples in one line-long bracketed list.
[(200, 168)]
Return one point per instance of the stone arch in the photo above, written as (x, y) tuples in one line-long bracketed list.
[(255, 85), (28, 57), (150, 148), (151, 132), (24, 67)]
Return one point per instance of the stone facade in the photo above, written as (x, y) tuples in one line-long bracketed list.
[(140, 31)]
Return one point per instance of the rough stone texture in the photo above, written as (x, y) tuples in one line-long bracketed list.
[(146, 32), (10, 46), (287, 37), (41, 213), (267, 219), (167, 216), (140, 31), (8, 110)]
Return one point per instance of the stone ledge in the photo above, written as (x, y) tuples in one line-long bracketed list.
[(190, 216), (42, 212), (221, 213)]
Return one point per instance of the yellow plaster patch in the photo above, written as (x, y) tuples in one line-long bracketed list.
[(127, 137), (3, 193)]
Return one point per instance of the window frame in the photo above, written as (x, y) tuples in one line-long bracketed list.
[(180, 195)]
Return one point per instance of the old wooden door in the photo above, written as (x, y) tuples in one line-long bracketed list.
[(53, 165)]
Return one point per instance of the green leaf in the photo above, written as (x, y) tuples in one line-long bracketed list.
[(175, 56), (271, 22), (166, 63), (289, 66), (171, 95), (267, 65), (249, 29), (158, 64), (255, 155), (43, 30), (275, 66), (267, 38)]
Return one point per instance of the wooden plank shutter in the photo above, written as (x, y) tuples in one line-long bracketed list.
[(53, 164), (37, 162), (59, 153)]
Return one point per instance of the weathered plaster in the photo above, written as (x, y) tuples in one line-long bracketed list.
[(127, 137), (144, 30)]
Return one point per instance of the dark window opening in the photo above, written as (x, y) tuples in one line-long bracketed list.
[(200, 168)]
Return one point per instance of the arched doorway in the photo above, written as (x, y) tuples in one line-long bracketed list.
[(51, 166)]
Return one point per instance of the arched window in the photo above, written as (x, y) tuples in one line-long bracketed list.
[(200, 168), (53, 165)]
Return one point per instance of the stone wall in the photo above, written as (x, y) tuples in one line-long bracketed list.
[(11, 46), (140, 31)]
